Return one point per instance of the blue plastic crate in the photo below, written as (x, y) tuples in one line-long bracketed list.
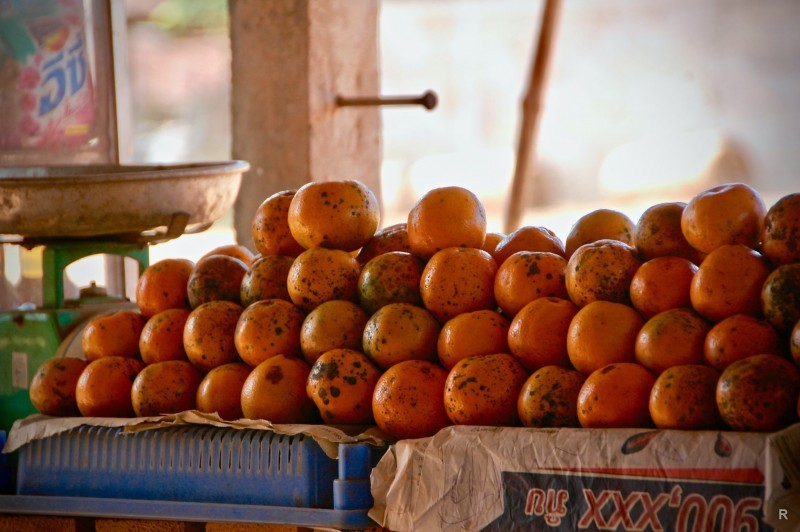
[(183, 463)]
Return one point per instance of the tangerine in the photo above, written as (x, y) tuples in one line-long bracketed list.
[(758, 393), (391, 238), (52, 389), (268, 328), (209, 332), (216, 278), (658, 234), (398, 332), (528, 238), (270, 226), (732, 213), (446, 217), (616, 396), (334, 214), (661, 284), (221, 389), (780, 240), (739, 336), (476, 333), (104, 387), (528, 275), (729, 282), (392, 277), (683, 398), (165, 387), (163, 285), (457, 280), (319, 275), (266, 279), (601, 270), (538, 333), (780, 296), (484, 390), (162, 336), (275, 390), (602, 333), (404, 403), (341, 384), (600, 224), (674, 337), (549, 398), (333, 324), (113, 334)]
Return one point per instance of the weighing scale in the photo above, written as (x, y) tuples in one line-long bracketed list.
[(73, 212)]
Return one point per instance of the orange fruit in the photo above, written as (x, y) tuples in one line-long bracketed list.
[(616, 396), (276, 391), (208, 334), (216, 278), (221, 389), (600, 224), (405, 401), (162, 336), (674, 337), (601, 270), (334, 214), (392, 277), (268, 328), (780, 296), (319, 275), (113, 334), (270, 226), (658, 234), (780, 240), (759, 393), (794, 343), (538, 333), (165, 387), (266, 279), (446, 217), (528, 275), (683, 398), (483, 390), (52, 389), (481, 332), (602, 333), (391, 238), (399, 332), (491, 241), (163, 285), (661, 284), (737, 337), (729, 282), (528, 238), (237, 251), (341, 384), (732, 213), (104, 387), (458, 280), (333, 324), (549, 398)]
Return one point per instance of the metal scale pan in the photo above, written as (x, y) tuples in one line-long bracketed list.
[(64, 202)]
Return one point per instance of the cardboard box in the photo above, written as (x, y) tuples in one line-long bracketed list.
[(481, 478)]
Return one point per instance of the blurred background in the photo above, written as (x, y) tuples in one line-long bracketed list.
[(646, 101)]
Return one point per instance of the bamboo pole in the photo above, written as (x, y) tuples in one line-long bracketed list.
[(525, 168)]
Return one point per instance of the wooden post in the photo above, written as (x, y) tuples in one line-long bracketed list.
[(291, 59)]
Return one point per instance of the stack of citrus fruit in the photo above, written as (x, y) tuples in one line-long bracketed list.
[(687, 319)]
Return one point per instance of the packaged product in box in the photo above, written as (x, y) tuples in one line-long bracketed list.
[(479, 478)]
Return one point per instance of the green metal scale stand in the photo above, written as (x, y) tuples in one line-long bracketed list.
[(29, 337)]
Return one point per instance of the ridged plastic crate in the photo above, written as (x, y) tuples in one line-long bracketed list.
[(183, 463)]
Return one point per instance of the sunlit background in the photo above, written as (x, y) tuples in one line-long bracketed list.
[(647, 101)]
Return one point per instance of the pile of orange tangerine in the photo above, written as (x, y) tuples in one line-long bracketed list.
[(688, 319)]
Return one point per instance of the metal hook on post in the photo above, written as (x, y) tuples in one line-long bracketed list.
[(428, 100)]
